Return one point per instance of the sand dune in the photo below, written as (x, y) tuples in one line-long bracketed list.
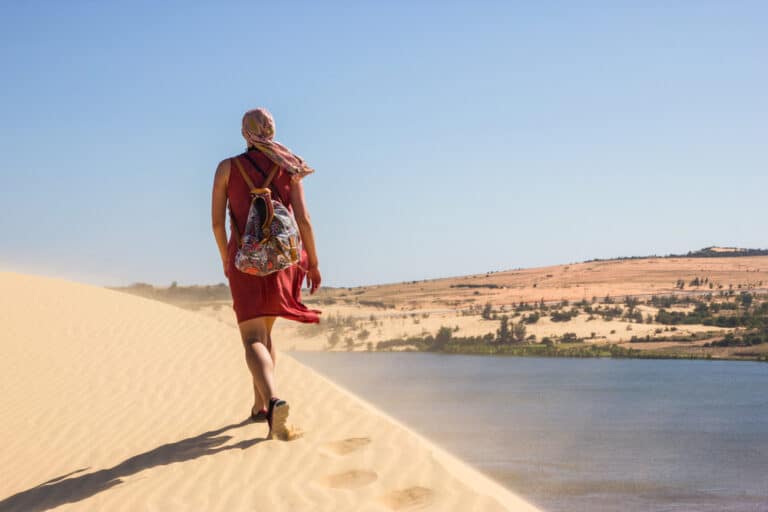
[(112, 402)]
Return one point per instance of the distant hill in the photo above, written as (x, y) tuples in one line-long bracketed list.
[(707, 252), (725, 252)]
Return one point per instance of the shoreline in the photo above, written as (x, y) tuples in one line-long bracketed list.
[(602, 355), (541, 356)]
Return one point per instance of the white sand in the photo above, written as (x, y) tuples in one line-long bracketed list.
[(112, 402)]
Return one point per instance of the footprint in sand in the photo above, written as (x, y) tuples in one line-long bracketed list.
[(350, 479), (346, 446), (408, 499)]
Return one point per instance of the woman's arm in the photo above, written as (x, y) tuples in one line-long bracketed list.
[(219, 210), (307, 236)]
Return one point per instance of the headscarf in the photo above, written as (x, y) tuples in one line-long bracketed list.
[(259, 132)]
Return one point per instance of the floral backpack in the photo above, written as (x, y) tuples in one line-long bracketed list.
[(271, 240)]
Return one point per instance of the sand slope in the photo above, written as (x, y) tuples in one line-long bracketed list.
[(112, 402)]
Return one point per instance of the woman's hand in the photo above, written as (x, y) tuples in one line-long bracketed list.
[(313, 279), (307, 237), (226, 268), (219, 210)]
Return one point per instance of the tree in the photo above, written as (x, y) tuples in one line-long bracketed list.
[(487, 309), (502, 334), (564, 316), (334, 339), (518, 330), (532, 318), (442, 338)]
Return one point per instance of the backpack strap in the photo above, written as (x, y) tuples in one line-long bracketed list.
[(268, 180), (272, 173), (244, 174), (248, 181), (264, 190)]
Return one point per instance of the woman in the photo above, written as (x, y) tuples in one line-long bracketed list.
[(259, 300)]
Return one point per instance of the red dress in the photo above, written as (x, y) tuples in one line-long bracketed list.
[(277, 294)]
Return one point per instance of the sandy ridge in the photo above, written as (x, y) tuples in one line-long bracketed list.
[(112, 402)]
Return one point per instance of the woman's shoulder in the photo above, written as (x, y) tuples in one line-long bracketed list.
[(228, 163), (224, 169), (231, 160)]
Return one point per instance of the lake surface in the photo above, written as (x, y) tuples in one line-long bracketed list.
[(583, 434)]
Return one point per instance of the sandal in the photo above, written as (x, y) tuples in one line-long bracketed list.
[(259, 417), (277, 416)]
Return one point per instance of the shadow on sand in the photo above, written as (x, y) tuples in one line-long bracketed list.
[(70, 489)]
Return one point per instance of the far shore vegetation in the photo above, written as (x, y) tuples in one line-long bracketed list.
[(707, 252), (745, 312)]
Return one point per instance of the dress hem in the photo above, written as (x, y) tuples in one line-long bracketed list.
[(303, 320)]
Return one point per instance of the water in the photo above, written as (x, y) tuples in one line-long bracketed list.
[(583, 434)]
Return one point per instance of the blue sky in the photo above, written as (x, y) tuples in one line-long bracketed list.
[(448, 137)]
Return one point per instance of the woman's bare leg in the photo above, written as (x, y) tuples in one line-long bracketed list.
[(255, 334), (259, 402), (270, 323)]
